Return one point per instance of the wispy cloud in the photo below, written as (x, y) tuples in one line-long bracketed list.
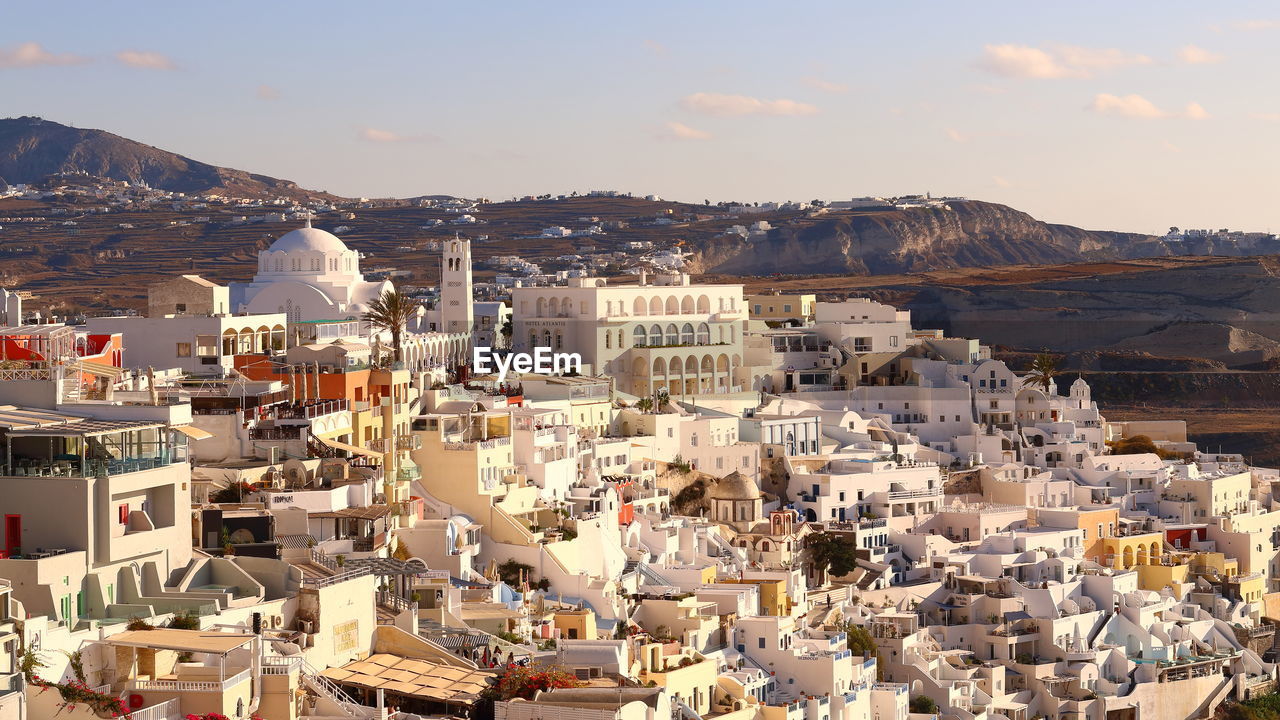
[(1136, 106), (1059, 61), (146, 60), (1255, 24), (655, 47), (33, 54), (379, 135), (955, 135), (826, 86), (1000, 182), (680, 131), (725, 105), (267, 92), (1169, 147), (1194, 55)]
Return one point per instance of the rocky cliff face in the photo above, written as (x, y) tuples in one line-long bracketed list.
[(32, 149), (970, 233)]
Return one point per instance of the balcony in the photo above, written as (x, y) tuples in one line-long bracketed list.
[(309, 411), (914, 494), (282, 432), (192, 685)]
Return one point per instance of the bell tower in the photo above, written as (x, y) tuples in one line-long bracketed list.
[(456, 313)]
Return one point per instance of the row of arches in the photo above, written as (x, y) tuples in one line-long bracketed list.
[(671, 305), (250, 340), (434, 351), (689, 375), (686, 334), (688, 305)]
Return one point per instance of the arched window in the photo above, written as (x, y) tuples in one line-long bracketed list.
[(655, 306), (638, 336), (546, 338), (686, 305), (704, 334), (639, 308), (533, 339), (673, 335), (704, 304), (655, 336), (621, 340), (686, 334), (608, 339)]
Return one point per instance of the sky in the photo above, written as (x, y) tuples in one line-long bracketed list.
[(1129, 116)]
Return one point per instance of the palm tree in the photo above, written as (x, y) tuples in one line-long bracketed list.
[(1043, 370), (391, 311)]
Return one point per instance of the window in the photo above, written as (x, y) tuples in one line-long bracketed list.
[(638, 336), (123, 512), (786, 308), (184, 350), (180, 307), (893, 341), (761, 643)]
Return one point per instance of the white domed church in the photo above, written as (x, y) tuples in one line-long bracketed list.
[(308, 274)]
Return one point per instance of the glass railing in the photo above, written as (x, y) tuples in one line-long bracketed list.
[(79, 468)]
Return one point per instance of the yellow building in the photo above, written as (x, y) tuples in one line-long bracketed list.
[(781, 307), (773, 595), (1095, 525), (685, 674), (576, 624), (1131, 550)]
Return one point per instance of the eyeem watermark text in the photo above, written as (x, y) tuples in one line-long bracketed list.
[(542, 361)]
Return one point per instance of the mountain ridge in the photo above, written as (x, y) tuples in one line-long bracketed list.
[(32, 149)]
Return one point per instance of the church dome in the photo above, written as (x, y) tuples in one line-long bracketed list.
[(308, 239), (736, 486)]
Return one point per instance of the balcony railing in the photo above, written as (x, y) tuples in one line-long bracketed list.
[(280, 665), (284, 432), (311, 410), (192, 685), (167, 710)]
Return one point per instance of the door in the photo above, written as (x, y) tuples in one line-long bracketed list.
[(12, 534)]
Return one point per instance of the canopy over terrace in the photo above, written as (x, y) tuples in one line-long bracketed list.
[(45, 442), (416, 685), (366, 526), (236, 654), (37, 343)]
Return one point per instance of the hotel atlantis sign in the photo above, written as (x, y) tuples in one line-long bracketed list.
[(541, 361)]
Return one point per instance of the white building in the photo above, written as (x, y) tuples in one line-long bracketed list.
[(308, 274)]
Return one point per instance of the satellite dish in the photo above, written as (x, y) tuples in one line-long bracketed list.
[(295, 474)]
